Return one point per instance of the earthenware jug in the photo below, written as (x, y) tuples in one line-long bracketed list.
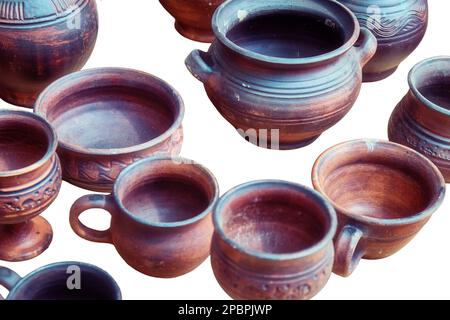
[(383, 193), (41, 41), (399, 27), (30, 180), (283, 72), (422, 118)]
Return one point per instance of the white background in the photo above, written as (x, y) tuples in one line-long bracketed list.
[(139, 34)]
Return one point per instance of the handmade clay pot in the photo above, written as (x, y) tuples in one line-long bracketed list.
[(273, 240), (399, 27), (61, 281), (30, 179), (41, 41), (422, 119), (161, 215), (193, 17), (283, 72), (383, 193), (108, 118)]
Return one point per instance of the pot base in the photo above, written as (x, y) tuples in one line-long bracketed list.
[(25, 100), (196, 34), (373, 77), (287, 146), (91, 187), (24, 241)]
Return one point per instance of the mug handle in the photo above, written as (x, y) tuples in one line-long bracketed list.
[(92, 201), (366, 46), (8, 279), (198, 64), (348, 251)]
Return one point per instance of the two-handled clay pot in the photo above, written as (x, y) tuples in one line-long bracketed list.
[(282, 72)]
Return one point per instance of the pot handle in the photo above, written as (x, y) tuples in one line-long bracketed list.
[(93, 201), (197, 63), (366, 46), (348, 251), (8, 279)]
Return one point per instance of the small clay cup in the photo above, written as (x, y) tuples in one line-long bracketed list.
[(161, 215), (61, 281), (30, 180), (383, 193), (422, 118), (273, 240), (108, 118)]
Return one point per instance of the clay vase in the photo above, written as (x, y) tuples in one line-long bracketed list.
[(61, 281), (383, 193), (283, 72), (109, 118), (161, 215), (399, 27), (422, 118), (193, 17), (41, 41), (30, 180), (273, 240)]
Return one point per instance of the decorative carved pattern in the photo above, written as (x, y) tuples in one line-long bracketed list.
[(63, 5), (12, 10)]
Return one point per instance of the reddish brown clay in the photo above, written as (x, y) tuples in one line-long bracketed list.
[(30, 179), (273, 240), (193, 17), (422, 119), (41, 41), (383, 192), (108, 118), (161, 216)]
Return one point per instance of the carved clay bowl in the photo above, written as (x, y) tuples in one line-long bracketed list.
[(107, 119)]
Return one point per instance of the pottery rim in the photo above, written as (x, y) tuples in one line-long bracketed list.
[(318, 246)]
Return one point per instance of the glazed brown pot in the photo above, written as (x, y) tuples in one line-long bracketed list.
[(422, 118), (30, 179), (383, 193), (41, 41), (161, 216), (273, 240), (108, 118), (282, 72), (193, 17)]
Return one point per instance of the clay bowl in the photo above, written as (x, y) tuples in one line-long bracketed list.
[(383, 193), (61, 281), (30, 180), (161, 215), (41, 41), (108, 118), (422, 118), (273, 240), (193, 17)]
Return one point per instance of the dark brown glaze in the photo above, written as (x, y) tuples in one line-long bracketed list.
[(41, 41), (399, 27), (273, 240), (422, 118), (283, 72), (383, 192), (30, 180), (107, 119), (161, 216), (51, 283), (193, 17)]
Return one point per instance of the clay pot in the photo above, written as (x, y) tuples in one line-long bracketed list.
[(30, 180), (41, 41), (193, 17), (108, 118), (61, 281), (161, 216), (273, 240), (422, 119), (283, 72), (383, 193), (399, 27)]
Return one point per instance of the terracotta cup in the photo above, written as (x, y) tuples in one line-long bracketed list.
[(30, 180), (422, 118), (383, 193), (61, 281), (161, 215), (108, 118), (273, 240)]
